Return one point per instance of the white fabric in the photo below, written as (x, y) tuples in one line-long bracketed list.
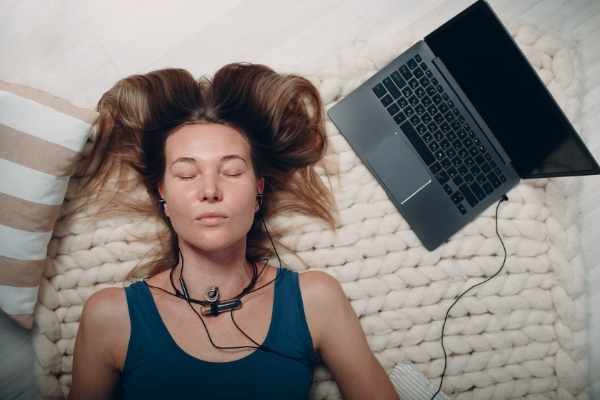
[(32, 185), (18, 300), (59, 128), (23, 245)]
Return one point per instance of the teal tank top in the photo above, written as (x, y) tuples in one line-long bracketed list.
[(157, 368)]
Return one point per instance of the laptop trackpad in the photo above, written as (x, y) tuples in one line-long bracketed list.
[(399, 168)]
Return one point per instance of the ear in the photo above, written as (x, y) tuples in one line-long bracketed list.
[(260, 185)]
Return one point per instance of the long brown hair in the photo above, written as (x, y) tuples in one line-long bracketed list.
[(281, 116)]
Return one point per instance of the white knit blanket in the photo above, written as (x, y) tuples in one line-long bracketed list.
[(519, 336)]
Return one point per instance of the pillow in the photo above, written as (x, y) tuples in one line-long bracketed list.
[(41, 138)]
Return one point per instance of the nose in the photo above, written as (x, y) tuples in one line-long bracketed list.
[(211, 191)]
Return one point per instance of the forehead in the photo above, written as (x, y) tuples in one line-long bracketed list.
[(206, 141)]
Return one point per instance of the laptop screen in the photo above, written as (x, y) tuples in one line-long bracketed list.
[(511, 98)]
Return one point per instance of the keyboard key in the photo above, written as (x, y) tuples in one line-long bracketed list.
[(415, 120), (477, 190), (424, 81), (393, 109), (469, 178), (445, 144), (379, 90), (449, 116), (409, 111), (458, 180), (431, 109), (457, 161), (486, 167), (452, 172), (427, 137), (462, 169), (494, 179), (424, 66), (462, 209), (400, 118), (413, 101), (420, 92), (446, 163), (481, 179), (445, 97), (435, 167), (442, 177), (488, 188), (420, 109), (429, 74), (431, 90), (469, 161), (438, 135), (386, 100), (439, 118), (434, 81), (418, 144), (439, 88), (418, 58), (402, 102), (422, 129), (458, 145), (457, 197), (448, 189), (418, 72), (398, 80), (479, 159), (451, 153), (404, 71), (412, 64), (426, 118), (475, 169), (502, 178), (445, 127), (473, 151), (468, 195), (432, 127), (406, 91), (437, 99), (443, 108), (413, 83), (439, 154), (389, 85)]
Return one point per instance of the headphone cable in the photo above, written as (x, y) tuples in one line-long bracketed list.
[(457, 298)]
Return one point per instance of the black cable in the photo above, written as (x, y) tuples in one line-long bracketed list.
[(457, 298), (244, 293)]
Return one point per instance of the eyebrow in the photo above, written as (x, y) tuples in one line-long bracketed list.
[(224, 158)]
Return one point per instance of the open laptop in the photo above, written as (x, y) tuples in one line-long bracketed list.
[(455, 122)]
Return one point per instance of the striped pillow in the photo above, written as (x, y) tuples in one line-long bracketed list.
[(41, 139)]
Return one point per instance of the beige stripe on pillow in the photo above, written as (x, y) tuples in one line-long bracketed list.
[(27, 215), (36, 153), (21, 272), (41, 138)]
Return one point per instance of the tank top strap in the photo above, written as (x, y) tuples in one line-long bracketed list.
[(146, 325), (290, 329)]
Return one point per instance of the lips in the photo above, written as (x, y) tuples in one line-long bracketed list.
[(211, 218), (211, 214)]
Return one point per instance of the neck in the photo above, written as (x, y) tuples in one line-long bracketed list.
[(227, 269)]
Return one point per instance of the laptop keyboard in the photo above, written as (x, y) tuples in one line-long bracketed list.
[(457, 158)]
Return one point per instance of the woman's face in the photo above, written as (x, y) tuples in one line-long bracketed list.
[(209, 185)]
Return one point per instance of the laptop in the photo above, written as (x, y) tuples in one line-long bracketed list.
[(454, 122)]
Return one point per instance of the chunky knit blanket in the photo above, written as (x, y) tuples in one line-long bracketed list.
[(519, 336)]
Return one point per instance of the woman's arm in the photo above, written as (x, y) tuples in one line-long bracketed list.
[(95, 374), (342, 342)]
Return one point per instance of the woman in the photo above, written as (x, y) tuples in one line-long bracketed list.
[(212, 318)]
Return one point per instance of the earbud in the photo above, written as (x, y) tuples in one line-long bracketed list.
[(259, 200)]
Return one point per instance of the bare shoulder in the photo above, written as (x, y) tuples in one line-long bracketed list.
[(320, 285), (105, 322), (106, 305), (322, 295)]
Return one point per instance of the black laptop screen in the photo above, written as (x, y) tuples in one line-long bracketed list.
[(509, 95)]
